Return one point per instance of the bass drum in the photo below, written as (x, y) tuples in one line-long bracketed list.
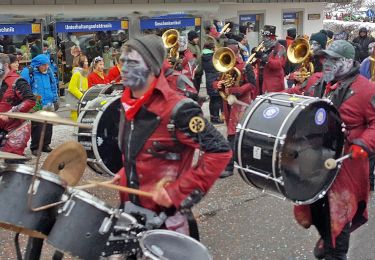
[(282, 143), (97, 90), (101, 142)]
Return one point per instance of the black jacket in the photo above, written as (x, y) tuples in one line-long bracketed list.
[(363, 43)]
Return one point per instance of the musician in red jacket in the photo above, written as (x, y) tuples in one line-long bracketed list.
[(160, 131), (271, 62), (344, 208), (15, 96), (244, 91)]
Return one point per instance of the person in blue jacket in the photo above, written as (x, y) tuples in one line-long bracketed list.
[(43, 84)]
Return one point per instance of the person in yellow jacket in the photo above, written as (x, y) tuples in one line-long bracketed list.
[(78, 85)]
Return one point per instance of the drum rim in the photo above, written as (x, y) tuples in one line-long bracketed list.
[(101, 87), (25, 169), (172, 233), (89, 199), (95, 128)]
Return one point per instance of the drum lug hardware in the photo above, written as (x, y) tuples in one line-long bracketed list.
[(67, 208), (106, 225), (33, 189)]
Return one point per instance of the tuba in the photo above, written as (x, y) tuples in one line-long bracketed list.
[(299, 52), (170, 41), (224, 60)]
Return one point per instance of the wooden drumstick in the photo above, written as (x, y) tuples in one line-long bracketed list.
[(331, 163), (91, 185), (124, 189)]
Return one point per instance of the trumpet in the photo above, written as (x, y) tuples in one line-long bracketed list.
[(300, 52), (224, 60), (170, 41), (224, 29), (372, 65), (252, 58)]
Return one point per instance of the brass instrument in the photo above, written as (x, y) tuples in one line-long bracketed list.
[(372, 65), (224, 30), (224, 60), (252, 58), (170, 41), (300, 52)]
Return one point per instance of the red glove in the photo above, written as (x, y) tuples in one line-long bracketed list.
[(358, 152)]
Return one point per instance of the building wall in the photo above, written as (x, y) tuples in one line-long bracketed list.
[(208, 11)]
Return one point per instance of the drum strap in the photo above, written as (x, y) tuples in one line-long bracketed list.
[(193, 226)]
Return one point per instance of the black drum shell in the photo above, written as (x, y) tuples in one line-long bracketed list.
[(78, 233), (97, 90), (101, 142), (14, 211), (283, 159)]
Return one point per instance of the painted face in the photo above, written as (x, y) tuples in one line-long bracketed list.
[(371, 48), (269, 42), (100, 66), (135, 71), (315, 46), (334, 68)]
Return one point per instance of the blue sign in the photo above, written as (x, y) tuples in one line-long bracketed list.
[(15, 29), (289, 15), (95, 26), (166, 23), (248, 18), (370, 13)]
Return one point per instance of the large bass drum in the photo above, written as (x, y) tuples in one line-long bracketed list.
[(96, 90), (282, 143), (101, 142)]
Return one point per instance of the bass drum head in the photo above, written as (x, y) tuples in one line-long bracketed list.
[(312, 138), (164, 244), (104, 155)]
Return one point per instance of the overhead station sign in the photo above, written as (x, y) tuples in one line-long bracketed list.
[(163, 22), (94, 26), (20, 28)]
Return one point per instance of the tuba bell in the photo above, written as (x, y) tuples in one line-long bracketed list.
[(170, 41), (300, 52), (224, 60)]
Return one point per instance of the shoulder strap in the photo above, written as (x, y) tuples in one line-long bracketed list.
[(31, 74)]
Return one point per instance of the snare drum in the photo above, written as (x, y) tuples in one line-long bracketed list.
[(166, 244), (282, 143), (83, 225), (15, 186), (97, 90), (101, 142)]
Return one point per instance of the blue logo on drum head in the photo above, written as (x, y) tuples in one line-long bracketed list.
[(320, 116), (271, 112)]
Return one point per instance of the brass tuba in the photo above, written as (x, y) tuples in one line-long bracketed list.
[(299, 52), (170, 41), (224, 60)]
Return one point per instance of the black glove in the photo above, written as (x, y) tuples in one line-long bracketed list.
[(259, 54), (56, 105)]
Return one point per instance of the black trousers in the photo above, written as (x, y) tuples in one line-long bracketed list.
[(372, 177), (36, 130), (230, 165), (321, 220), (197, 81), (215, 106)]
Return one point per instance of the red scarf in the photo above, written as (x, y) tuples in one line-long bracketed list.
[(330, 87), (132, 105)]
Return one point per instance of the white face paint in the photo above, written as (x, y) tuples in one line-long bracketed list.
[(334, 68), (371, 48), (315, 46), (135, 71)]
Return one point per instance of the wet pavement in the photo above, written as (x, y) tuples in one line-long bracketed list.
[(236, 221)]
